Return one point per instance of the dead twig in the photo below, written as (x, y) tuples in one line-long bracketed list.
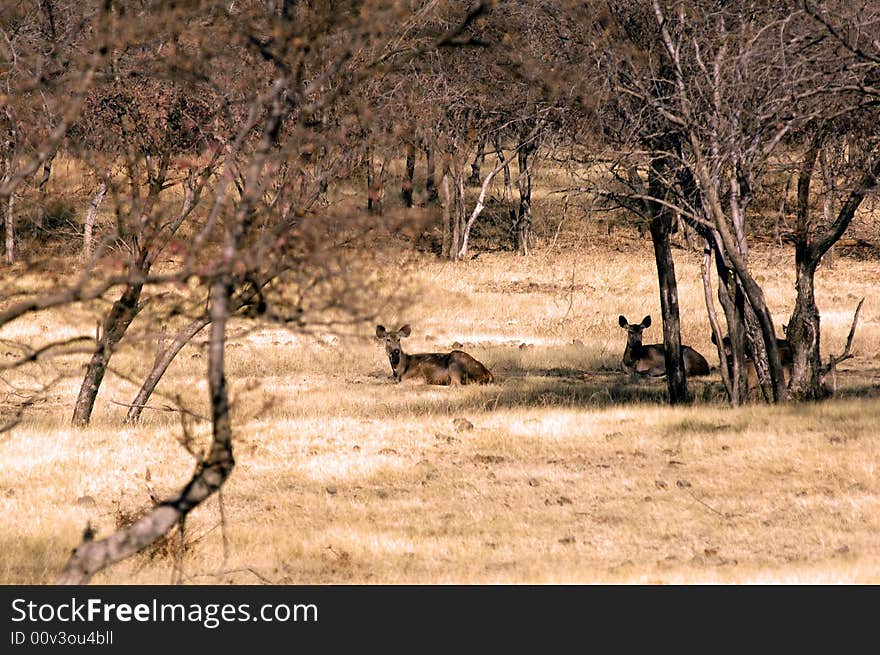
[(705, 504), (165, 408), (847, 351), (35, 355)]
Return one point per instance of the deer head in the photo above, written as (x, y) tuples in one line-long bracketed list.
[(634, 330), (392, 341)]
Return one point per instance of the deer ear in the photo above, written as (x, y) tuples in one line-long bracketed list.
[(380, 331), (405, 330), (646, 322), (621, 320)]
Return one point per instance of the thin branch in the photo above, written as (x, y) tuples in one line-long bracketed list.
[(847, 351), (165, 408), (34, 355)]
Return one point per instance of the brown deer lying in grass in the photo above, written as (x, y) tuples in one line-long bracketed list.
[(456, 367), (651, 359)]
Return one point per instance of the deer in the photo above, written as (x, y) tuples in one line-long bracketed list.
[(650, 360), (786, 357), (452, 368)]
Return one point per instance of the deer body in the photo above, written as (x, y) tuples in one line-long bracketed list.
[(651, 359), (452, 368), (786, 357)]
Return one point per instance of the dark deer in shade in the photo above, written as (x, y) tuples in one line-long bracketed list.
[(456, 367), (651, 359), (786, 357)]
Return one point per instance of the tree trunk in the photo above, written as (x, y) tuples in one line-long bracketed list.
[(675, 375), (446, 204), (733, 367), (522, 230), (430, 184), (733, 303), (374, 203), (120, 317), (10, 229), (661, 227), (41, 190), (804, 331), (162, 363), (457, 215), (804, 324), (452, 200), (474, 179), (727, 377), (508, 185), (406, 192), (91, 216), (126, 308)]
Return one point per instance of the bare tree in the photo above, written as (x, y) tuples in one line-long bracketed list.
[(53, 59), (719, 92), (162, 135), (270, 247), (838, 161)]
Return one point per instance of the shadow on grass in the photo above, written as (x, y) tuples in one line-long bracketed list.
[(564, 388), (858, 384)]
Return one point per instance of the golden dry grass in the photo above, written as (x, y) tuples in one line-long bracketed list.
[(572, 472)]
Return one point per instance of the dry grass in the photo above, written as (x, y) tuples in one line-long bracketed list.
[(572, 472)]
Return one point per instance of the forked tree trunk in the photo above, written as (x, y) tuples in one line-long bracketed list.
[(126, 308), (479, 206), (184, 336), (92, 556), (804, 325), (731, 238), (120, 317), (733, 303), (734, 373)]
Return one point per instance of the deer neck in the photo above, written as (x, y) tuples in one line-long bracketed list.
[(399, 367), (633, 352)]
